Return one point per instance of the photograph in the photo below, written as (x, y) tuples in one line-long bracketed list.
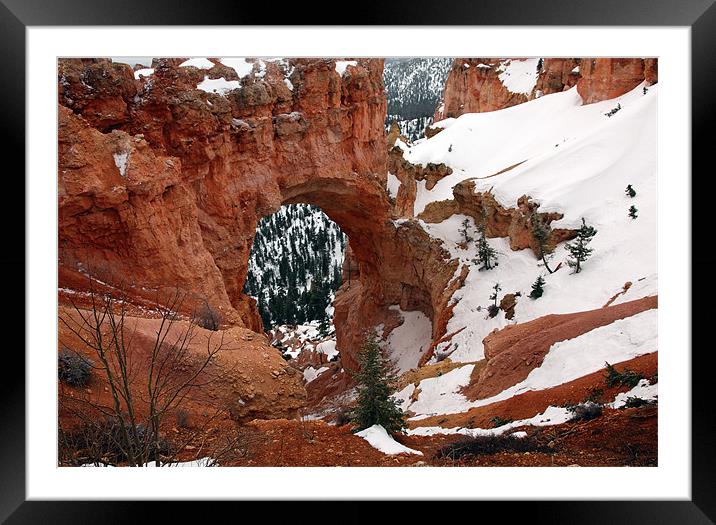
[(321, 261)]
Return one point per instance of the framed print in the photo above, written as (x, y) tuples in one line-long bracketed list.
[(432, 260)]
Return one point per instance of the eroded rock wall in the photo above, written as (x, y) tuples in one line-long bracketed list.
[(474, 86), (163, 183)]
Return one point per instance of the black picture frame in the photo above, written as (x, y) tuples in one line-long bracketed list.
[(699, 15)]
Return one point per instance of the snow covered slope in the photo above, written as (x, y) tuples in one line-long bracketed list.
[(571, 159)]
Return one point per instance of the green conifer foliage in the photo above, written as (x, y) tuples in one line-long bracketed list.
[(537, 288), (486, 254), (376, 384), (578, 250), (540, 231)]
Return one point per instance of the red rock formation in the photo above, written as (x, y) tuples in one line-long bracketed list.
[(163, 183), (248, 378), (172, 195), (473, 84), (605, 78)]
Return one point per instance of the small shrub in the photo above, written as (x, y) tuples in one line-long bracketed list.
[(483, 445), (493, 310), (101, 442), (586, 411), (498, 421), (636, 402), (73, 369), (208, 318), (439, 358), (613, 110), (625, 378)]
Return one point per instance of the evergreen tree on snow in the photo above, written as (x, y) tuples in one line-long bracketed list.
[(540, 231), (376, 384), (633, 212), (493, 309), (465, 231), (486, 254), (578, 250), (537, 288), (630, 191)]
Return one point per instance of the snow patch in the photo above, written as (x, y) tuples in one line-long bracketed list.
[(145, 72), (199, 63), (381, 440), (407, 342), (393, 185), (643, 390), (328, 348), (342, 65), (121, 160), (551, 416), (310, 373), (218, 85), (240, 65), (519, 76)]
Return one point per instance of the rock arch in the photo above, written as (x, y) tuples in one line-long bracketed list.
[(170, 189)]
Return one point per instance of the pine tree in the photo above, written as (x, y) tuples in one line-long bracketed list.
[(465, 231), (486, 254), (537, 288), (376, 384), (540, 232), (630, 191), (493, 309), (633, 212), (578, 250), (324, 327)]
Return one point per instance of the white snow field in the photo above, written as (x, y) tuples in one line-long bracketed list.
[(574, 160), (407, 342), (381, 440)]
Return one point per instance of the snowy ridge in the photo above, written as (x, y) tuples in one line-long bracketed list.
[(574, 160)]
